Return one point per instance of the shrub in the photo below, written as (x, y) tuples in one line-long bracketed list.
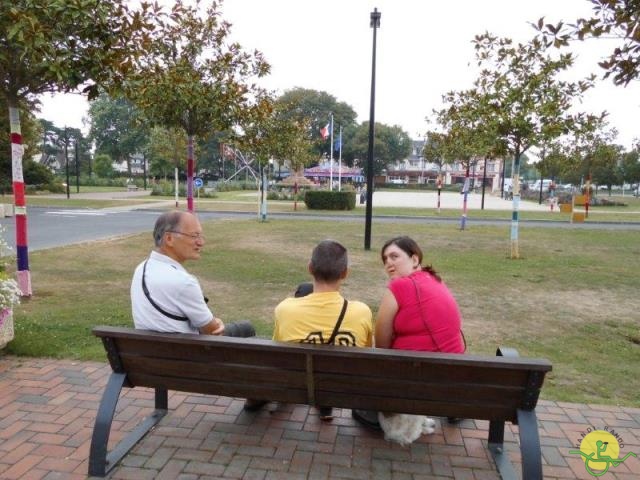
[(166, 188), (327, 200), (235, 185), (284, 195), (97, 181)]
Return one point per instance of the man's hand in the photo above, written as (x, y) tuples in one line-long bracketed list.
[(214, 327)]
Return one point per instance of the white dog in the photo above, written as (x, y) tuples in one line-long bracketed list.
[(404, 428)]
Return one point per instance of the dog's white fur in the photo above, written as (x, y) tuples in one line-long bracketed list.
[(404, 428)]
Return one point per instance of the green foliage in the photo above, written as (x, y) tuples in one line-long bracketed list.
[(97, 181), (434, 149), (329, 200), (272, 134), (630, 167), (234, 186), (604, 165), (167, 149), (37, 174), (313, 108), (63, 44), (390, 144), (619, 19), (518, 101), (167, 189), (115, 129), (193, 77), (285, 194), (103, 165)]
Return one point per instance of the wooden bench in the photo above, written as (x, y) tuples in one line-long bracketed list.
[(498, 389), (132, 188)]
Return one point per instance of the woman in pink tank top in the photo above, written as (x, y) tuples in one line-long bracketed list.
[(417, 311)]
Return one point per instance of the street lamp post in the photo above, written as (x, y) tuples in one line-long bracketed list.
[(375, 24), (66, 158), (77, 140)]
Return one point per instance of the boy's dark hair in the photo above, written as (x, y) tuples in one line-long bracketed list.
[(329, 261)]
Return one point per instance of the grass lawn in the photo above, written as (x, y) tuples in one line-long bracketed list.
[(572, 298)]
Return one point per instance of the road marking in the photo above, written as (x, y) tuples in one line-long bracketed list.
[(71, 213)]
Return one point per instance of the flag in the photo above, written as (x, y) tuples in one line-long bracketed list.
[(325, 131), (337, 145)]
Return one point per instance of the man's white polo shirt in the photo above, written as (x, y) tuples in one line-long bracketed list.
[(174, 290)]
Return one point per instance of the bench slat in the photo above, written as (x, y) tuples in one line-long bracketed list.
[(212, 387), (211, 353), (424, 389)]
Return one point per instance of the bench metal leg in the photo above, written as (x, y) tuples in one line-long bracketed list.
[(101, 462), (496, 447), (530, 445)]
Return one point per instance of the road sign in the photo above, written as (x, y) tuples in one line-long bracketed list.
[(197, 182)]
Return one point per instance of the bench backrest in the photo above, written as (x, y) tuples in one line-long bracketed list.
[(439, 384)]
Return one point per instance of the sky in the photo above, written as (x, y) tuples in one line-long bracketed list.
[(423, 50)]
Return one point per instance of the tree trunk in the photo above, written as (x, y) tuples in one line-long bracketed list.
[(515, 182), (20, 206)]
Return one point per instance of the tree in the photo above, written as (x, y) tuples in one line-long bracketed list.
[(116, 129), (434, 149), (605, 161), (630, 167), (60, 46), (553, 161), (313, 108), (525, 102), (103, 165), (611, 18), (391, 144), (470, 137), (274, 136), (166, 150), (194, 80)]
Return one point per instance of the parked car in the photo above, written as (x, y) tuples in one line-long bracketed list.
[(545, 185)]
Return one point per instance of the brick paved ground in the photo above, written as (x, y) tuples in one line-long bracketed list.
[(47, 409)]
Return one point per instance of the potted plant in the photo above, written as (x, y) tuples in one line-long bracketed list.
[(9, 294)]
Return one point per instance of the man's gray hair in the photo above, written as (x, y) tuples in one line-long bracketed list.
[(167, 222), (329, 261)]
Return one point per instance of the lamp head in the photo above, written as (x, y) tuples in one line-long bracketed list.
[(375, 18)]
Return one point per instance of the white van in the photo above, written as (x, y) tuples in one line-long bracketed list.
[(545, 185)]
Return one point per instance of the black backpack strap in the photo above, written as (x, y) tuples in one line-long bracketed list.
[(332, 338), (154, 304)]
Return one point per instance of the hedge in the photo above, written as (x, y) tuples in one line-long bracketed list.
[(327, 200)]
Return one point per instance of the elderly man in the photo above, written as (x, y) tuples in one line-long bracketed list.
[(164, 296)]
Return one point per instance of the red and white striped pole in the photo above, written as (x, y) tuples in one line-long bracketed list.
[(20, 206), (190, 165)]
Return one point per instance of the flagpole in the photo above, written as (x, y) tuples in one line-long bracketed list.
[(340, 163), (331, 155)]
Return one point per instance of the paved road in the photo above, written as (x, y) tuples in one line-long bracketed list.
[(53, 227)]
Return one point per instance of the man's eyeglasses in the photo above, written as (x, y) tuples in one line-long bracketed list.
[(193, 236)]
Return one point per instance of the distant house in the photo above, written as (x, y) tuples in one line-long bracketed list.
[(416, 170)]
